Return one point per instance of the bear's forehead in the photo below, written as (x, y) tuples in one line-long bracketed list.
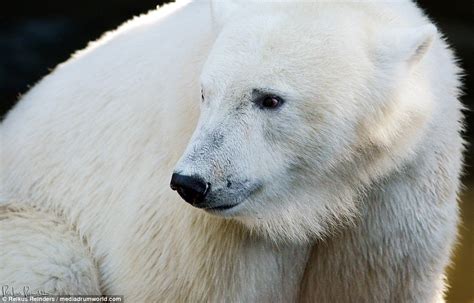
[(278, 46), (272, 47), (286, 32)]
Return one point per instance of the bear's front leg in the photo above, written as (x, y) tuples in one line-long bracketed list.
[(41, 254)]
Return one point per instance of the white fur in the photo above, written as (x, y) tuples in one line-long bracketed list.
[(357, 171), (41, 254)]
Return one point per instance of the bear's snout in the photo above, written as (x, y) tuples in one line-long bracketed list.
[(193, 189)]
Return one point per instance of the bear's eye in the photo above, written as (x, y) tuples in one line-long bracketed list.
[(202, 95), (271, 102)]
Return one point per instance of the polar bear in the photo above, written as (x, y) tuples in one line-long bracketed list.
[(316, 146)]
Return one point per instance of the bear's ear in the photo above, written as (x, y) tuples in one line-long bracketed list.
[(222, 9), (402, 117), (405, 45)]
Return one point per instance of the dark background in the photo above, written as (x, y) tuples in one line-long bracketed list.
[(37, 35)]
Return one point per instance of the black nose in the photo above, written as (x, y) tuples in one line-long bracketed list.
[(191, 188)]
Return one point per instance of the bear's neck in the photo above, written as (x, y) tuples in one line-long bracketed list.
[(399, 246), (210, 260)]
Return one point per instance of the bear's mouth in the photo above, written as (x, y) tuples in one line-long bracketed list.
[(221, 207), (222, 200)]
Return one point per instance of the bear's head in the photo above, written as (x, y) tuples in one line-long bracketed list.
[(303, 105)]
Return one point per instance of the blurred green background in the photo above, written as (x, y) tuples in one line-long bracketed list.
[(37, 35)]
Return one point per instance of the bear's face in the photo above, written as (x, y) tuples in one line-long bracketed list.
[(287, 98)]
